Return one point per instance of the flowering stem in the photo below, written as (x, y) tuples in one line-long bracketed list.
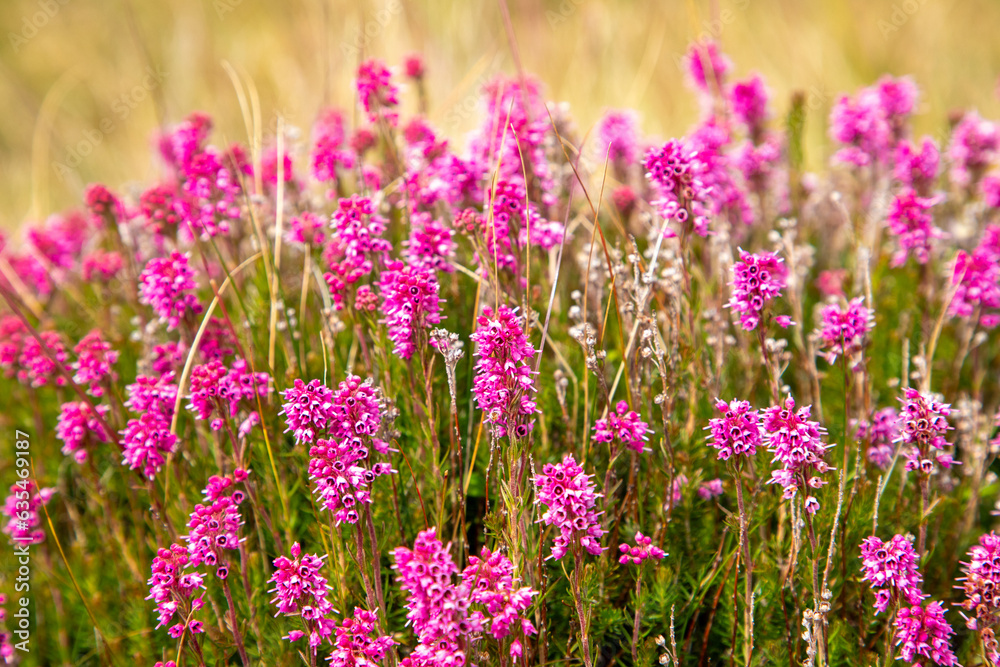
[(376, 565), (234, 625), (638, 615), (924, 483), (772, 373), (581, 613), (748, 578)]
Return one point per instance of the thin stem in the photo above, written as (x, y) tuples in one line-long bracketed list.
[(235, 625)]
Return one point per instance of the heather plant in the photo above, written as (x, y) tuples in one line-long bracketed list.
[(248, 441)]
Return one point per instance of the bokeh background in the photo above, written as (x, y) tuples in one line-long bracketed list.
[(86, 83)]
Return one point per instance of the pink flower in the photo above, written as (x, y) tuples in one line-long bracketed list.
[(923, 632), (377, 92), (973, 148), (176, 594), (307, 229), (570, 500), (354, 645), (890, 568), (431, 243), (167, 285), (678, 176), (922, 424), (504, 383), (797, 444), (749, 103), (38, 359), (737, 432), (625, 426), (79, 429), (300, 590), (980, 583), (618, 139), (757, 279), (843, 330), (307, 409), (881, 434), (411, 304), (642, 550), (707, 66), (146, 441), (355, 245), (101, 266), (917, 169), (218, 390), (710, 489), (912, 223), (214, 529), (95, 357), (330, 153)]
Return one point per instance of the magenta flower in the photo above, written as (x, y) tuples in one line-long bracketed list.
[(912, 223), (307, 409), (917, 169), (707, 66), (570, 500), (354, 645), (757, 280), (890, 568), (504, 384), (37, 359), (330, 152), (214, 529), (307, 229), (710, 141), (881, 434), (861, 126), (797, 444), (737, 432), (21, 509), (146, 441), (710, 489), (80, 429), (976, 278), (973, 148), (923, 423), (642, 550), (980, 584), (430, 244), (411, 305), (843, 331), (923, 632), (625, 426), (95, 357), (300, 590), (678, 176), (749, 103), (167, 285), (101, 266), (176, 593), (618, 139), (377, 92), (490, 580), (355, 245), (220, 392)]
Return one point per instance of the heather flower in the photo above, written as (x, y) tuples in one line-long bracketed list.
[(710, 489), (377, 92), (218, 390), (37, 362), (973, 148), (152, 394), (176, 593), (570, 500), (12, 335), (737, 432), (491, 582), (164, 209), (860, 124), (922, 633), (411, 304), (618, 139), (707, 66), (146, 441), (890, 568), (300, 590), (922, 424), (625, 426), (21, 509), (759, 164), (307, 409), (843, 331), (757, 279), (430, 244), (307, 229), (213, 530), (897, 100), (642, 550), (269, 168), (912, 223), (749, 103), (710, 141), (354, 645), (981, 584), (167, 285), (413, 65), (80, 429), (95, 357), (329, 150), (797, 444), (504, 382), (917, 169), (355, 245), (678, 176), (103, 205), (881, 435), (624, 199), (976, 278), (101, 266)]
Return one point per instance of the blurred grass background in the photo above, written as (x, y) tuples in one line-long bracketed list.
[(68, 67)]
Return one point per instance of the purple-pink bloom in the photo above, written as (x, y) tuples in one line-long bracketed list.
[(377, 92), (922, 425), (917, 169), (618, 139), (354, 645), (410, 303), (213, 530), (504, 383), (757, 279), (738, 432), (430, 244), (923, 632), (642, 550), (38, 357), (890, 568), (167, 285), (95, 357), (570, 500), (980, 585), (710, 489), (146, 441), (749, 102), (707, 66), (218, 391), (176, 593), (300, 590), (80, 429), (330, 152), (678, 174), (881, 434), (912, 223), (307, 409), (624, 425), (843, 331), (797, 444), (355, 245), (973, 148)]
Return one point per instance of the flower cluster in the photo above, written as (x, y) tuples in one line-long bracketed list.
[(410, 303), (354, 246), (175, 592), (300, 590), (94, 360), (917, 169), (737, 432), (329, 151), (871, 124), (923, 632), (570, 501), (618, 139), (624, 425), (881, 434), (489, 580), (167, 285), (430, 244), (677, 174), (911, 222), (377, 92), (642, 550), (307, 409), (922, 425), (504, 384), (797, 444), (40, 358), (21, 511), (218, 390), (976, 278), (981, 585), (757, 279), (80, 429), (214, 528), (890, 568), (842, 331), (354, 645), (975, 143)]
